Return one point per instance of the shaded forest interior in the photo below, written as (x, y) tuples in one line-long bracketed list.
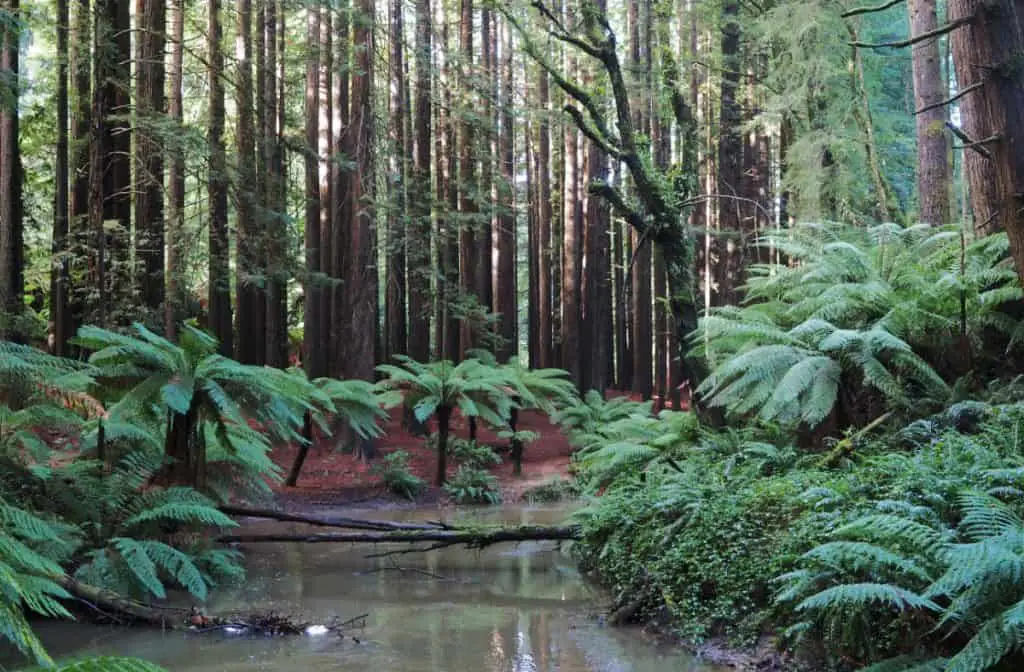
[(365, 179)]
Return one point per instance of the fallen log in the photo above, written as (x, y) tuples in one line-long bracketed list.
[(340, 522), (472, 538), (121, 609)]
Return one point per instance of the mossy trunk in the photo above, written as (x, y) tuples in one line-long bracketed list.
[(300, 456), (517, 444), (444, 418)]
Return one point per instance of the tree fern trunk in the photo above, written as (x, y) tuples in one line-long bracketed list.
[(444, 418)]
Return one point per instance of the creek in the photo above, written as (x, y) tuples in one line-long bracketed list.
[(511, 607)]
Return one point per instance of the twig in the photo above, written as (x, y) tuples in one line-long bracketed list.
[(361, 617), (403, 551)]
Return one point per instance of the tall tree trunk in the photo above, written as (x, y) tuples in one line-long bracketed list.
[(323, 139), (361, 281), (150, 16), (420, 201), (249, 275), (395, 325), (532, 239), (337, 314), (447, 227), (572, 239), (989, 50), (12, 244), (642, 338), (96, 310), (59, 284), (505, 285), (219, 303), (274, 203), (174, 223), (313, 353), (81, 128), (932, 149), (467, 182), (544, 214), (730, 161), (486, 153), (117, 189)]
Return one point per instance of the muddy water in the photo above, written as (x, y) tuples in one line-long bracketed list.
[(516, 608)]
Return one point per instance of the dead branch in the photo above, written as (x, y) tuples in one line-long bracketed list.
[(952, 99), (857, 11), (343, 523), (941, 30), (471, 538)]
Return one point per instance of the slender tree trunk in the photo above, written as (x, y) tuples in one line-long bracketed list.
[(97, 307), (219, 304), (532, 239), (932, 149), (396, 330), (150, 16), (337, 314), (273, 168), (467, 182), (313, 352), (505, 285), (486, 153), (117, 143), (59, 283), (544, 214), (174, 225), (12, 279), (81, 125), (444, 418), (420, 201), (249, 276), (323, 139), (572, 242), (448, 195)]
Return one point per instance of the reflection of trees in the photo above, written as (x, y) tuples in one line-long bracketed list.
[(524, 661)]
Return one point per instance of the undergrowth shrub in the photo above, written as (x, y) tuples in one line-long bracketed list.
[(473, 454), (470, 485), (393, 471), (553, 491)]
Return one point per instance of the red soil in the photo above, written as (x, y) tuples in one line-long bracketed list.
[(331, 475)]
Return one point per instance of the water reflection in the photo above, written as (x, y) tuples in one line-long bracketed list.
[(516, 608)]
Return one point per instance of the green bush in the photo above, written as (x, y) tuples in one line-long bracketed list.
[(473, 486), (552, 491), (473, 454), (393, 471)]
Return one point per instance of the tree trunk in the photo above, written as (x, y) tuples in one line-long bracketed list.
[(418, 229), (219, 303), (12, 279), (486, 153), (81, 124), (115, 67), (467, 182), (472, 538), (185, 453), (335, 242), (505, 285), (572, 247), (312, 342), (932, 149), (96, 308), (448, 194), (730, 162), (327, 128), (59, 282), (987, 51), (444, 419), (249, 276), (361, 284), (396, 330), (274, 202), (174, 225), (544, 213), (149, 161)]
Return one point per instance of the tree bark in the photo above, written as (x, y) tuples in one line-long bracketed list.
[(419, 257), (219, 302), (149, 160), (505, 285), (486, 153), (361, 281), (249, 277), (115, 66), (987, 51), (174, 224), (274, 197), (396, 329), (335, 302), (313, 352), (467, 182), (328, 320), (544, 214), (730, 162), (572, 243), (81, 123), (59, 278), (12, 279)]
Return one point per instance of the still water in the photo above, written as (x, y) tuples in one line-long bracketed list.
[(509, 608)]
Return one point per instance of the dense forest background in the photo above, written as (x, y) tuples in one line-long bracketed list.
[(347, 181)]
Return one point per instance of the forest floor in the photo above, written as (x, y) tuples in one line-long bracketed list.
[(333, 477)]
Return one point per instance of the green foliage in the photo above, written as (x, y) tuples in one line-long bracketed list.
[(471, 485), (105, 664), (584, 417), (394, 473), (872, 314), (473, 454)]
